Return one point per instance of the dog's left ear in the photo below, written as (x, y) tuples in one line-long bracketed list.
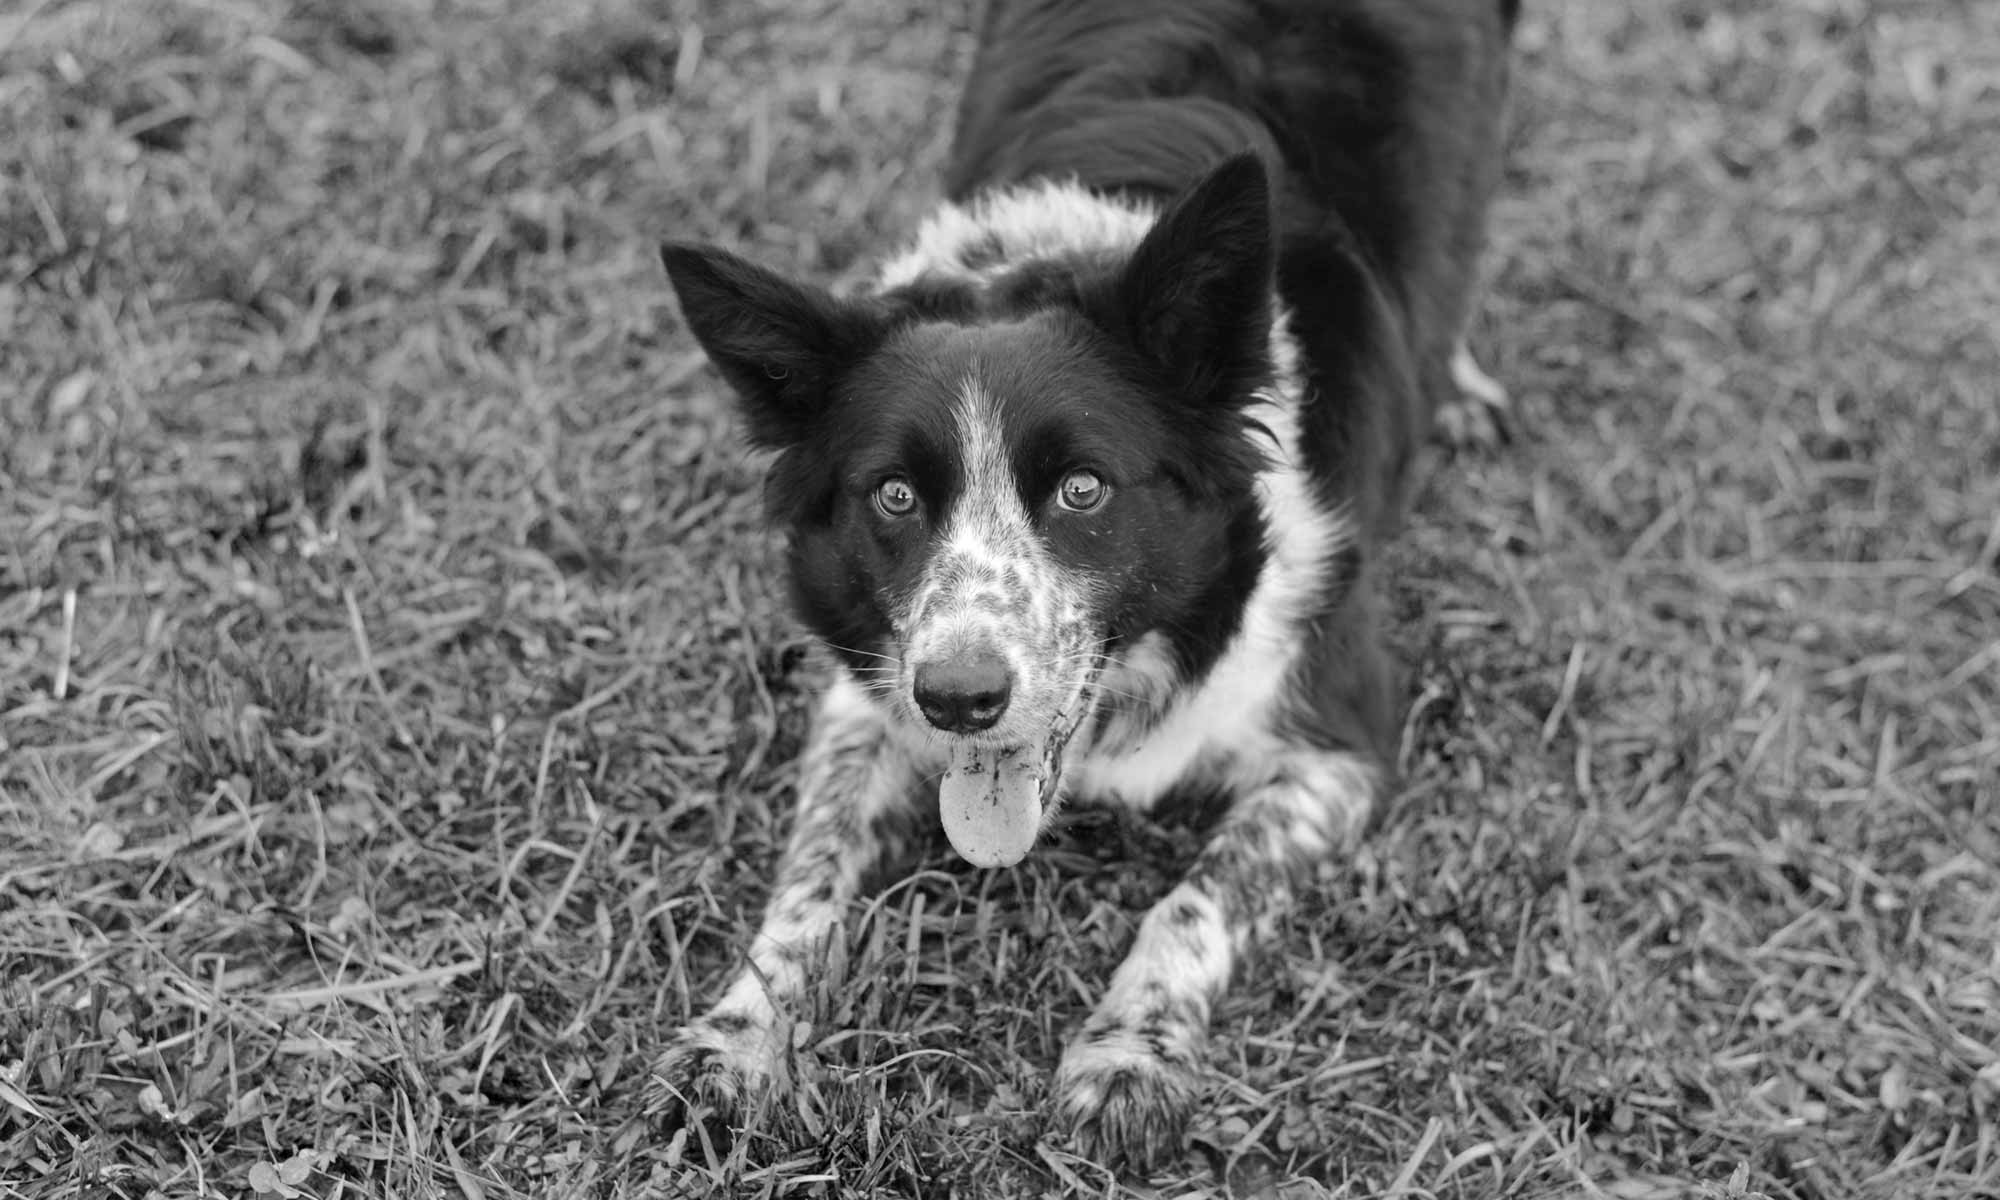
[(779, 343), (1195, 298)]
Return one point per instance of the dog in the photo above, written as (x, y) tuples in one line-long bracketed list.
[(1086, 492)]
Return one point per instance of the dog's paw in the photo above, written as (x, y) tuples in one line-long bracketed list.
[(1121, 1103), (1480, 414), (711, 1072)]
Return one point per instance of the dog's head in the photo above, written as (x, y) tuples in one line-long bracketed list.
[(1002, 473)]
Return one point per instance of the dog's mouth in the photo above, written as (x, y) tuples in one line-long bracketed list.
[(993, 799)]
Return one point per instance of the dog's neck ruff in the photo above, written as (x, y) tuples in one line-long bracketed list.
[(1166, 729), (1000, 230)]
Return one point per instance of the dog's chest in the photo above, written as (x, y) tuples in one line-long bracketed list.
[(1203, 734)]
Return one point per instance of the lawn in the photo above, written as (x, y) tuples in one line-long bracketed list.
[(398, 706)]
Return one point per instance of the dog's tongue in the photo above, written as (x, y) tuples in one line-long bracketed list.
[(991, 800)]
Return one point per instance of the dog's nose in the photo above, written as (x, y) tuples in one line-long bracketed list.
[(966, 693)]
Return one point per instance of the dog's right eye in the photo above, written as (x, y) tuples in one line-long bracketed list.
[(895, 497)]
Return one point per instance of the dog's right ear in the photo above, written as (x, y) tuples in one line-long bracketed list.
[(779, 343), (1195, 299)]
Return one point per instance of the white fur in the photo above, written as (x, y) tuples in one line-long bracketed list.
[(1041, 220), (1185, 958)]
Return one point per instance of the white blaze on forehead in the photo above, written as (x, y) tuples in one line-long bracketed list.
[(990, 575), (989, 518)]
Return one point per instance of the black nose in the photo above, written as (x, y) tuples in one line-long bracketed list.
[(965, 693)]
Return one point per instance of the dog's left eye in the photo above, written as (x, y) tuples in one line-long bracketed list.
[(895, 497), (1081, 491)]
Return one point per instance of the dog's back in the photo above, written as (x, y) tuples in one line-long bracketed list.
[(1378, 119)]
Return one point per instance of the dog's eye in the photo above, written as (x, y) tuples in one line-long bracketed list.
[(1081, 491), (895, 497)]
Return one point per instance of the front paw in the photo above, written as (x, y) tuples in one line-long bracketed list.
[(1123, 1103), (712, 1072)]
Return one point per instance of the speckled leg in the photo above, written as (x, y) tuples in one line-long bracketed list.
[(1129, 1081), (857, 804)]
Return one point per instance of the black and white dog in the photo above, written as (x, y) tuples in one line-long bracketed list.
[(1086, 493)]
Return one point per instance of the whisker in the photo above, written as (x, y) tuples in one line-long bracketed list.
[(887, 658), (1122, 694), (1092, 658)]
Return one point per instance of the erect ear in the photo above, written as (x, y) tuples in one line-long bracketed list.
[(779, 343), (1195, 298)]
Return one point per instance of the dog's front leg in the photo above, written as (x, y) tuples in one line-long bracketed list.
[(855, 819), (1128, 1082)]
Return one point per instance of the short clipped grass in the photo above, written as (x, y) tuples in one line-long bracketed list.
[(397, 708)]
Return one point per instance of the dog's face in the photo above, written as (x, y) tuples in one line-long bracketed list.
[(993, 485)]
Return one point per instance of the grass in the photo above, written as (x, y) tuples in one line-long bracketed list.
[(397, 706)]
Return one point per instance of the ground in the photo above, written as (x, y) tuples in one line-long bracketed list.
[(398, 707)]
